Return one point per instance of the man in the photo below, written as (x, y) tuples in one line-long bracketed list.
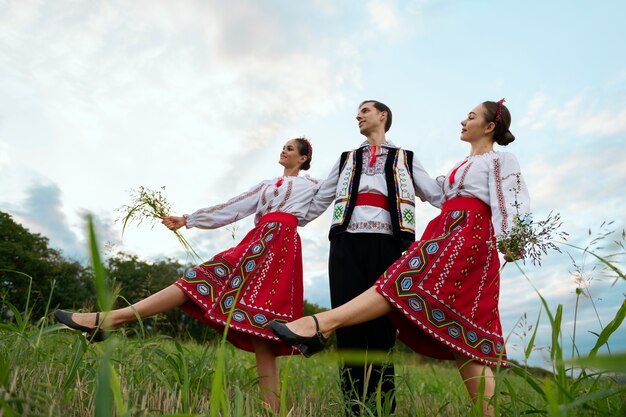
[(374, 189)]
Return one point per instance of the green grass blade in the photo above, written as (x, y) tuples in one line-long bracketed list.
[(283, 388), (23, 319), (478, 409), (4, 371), (103, 293), (556, 353), (612, 363), (105, 378), (594, 396), (609, 329), (21, 324), (529, 379), (610, 265), (45, 313), (103, 394), (79, 351), (531, 342), (116, 391), (128, 217), (218, 399)]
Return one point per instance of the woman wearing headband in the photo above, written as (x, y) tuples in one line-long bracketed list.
[(257, 281), (442, 294)]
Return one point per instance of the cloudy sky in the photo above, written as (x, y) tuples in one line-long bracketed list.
[(101, 97)]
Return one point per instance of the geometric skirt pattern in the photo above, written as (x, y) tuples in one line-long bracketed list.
[(445, 288), (251, 284)]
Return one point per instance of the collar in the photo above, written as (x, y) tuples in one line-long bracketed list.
[(389, 144)]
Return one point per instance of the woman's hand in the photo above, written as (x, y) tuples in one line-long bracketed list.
[(173, 222), (507, 258), (511, 249), (510, 257)]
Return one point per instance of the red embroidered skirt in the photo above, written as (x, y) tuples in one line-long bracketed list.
[(260, 280), (446, 287)]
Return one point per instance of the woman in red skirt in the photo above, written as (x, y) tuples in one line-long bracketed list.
[(257, 281), (442, 294)]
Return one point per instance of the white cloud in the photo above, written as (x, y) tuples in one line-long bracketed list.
[(564, 179), (580, 114), (384, 15), (395, 20), (606, 122), (155, 93)]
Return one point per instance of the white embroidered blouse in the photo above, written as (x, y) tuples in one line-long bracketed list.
[(369, 219), (283, 194), (494, 178)]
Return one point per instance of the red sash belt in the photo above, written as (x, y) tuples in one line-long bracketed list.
[(371, 199), (465, 203), (279, 216)]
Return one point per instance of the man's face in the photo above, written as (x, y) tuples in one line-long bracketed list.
[(369, 118)]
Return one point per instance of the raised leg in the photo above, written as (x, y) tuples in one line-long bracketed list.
[(365, 307), (267, 369), (160, 302)]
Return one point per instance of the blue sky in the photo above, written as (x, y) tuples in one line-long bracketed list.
[(199, 96)]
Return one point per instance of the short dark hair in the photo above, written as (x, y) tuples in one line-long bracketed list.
[(380, 107), (501, 134), (304, 148)]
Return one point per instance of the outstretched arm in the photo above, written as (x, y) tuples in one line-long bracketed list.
[(426, 187), (324, 196), (220, 215)]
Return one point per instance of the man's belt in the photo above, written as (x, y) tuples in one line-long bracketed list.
[(371, 199)]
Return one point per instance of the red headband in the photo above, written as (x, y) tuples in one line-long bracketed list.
[(499, 111)]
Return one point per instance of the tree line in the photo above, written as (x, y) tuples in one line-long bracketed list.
[(35, 276)]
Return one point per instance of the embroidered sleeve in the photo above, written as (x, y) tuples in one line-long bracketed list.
[(426, 188), (229, 212), (324, 196), (508, 193)]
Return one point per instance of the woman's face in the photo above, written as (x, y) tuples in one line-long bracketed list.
[(474, 126), (290, 155)]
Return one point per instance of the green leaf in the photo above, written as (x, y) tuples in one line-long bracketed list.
[(531, 342), (79, 351), (102, 292), (116, 390), (104, 396), (611, 363), (609, 329)]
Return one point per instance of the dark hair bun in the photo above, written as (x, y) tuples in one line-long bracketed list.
[(505, 139), (501, 133)]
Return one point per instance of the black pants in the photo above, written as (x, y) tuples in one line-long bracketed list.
[(355, 262)]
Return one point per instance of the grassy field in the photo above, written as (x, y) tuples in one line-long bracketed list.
[(47, 371)]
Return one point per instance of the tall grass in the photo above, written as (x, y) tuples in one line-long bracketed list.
[(48, 372)]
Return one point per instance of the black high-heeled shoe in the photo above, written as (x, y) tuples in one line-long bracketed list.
[(93, 334), (308, 345)]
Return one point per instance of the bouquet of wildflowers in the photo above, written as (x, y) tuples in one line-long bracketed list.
[(530, 238), (150, 205)]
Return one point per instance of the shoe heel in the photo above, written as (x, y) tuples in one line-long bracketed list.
[(304, 349)]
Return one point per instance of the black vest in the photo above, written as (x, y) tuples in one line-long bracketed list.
[(391, 194)]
